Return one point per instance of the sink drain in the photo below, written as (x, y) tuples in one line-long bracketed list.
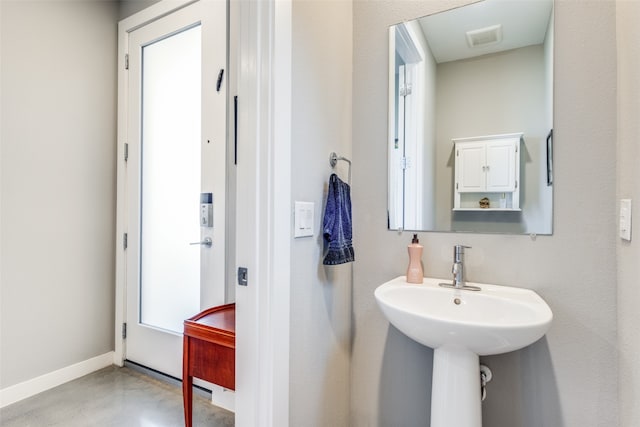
[(456, 301)]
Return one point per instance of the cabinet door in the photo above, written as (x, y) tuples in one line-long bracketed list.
[(501, 166), (470, 162)]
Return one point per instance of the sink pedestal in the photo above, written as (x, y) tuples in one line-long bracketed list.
[(455, 390), (460, 325)]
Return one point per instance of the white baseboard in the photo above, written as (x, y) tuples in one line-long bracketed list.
[(53, 379), (220, 396), (223, 397)]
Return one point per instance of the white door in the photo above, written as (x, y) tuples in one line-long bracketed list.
[(413, 148), (176, 135)]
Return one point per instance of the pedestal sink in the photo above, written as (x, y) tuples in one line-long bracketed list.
[(460, 326)]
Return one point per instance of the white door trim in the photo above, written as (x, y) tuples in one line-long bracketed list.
[(264, 214)]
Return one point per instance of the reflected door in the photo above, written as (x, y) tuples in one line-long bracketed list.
[(175, 180), (407, 143)]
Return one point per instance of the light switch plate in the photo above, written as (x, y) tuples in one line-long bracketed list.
[(303, 219), (625, 219)]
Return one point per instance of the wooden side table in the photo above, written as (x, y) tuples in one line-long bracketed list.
[(209, 352)]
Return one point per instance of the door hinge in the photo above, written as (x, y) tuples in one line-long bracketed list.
[(405, 89), (516, 183), (456, 185), (126, 152), (126, 61), (124, 330), (405, 163), (457, 153), (125, 238)]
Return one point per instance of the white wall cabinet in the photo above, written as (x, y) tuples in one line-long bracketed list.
[(487, 167)]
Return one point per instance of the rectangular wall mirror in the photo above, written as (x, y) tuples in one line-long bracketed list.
[(470, 119)]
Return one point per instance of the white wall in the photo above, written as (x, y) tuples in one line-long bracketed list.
[(628, 36), (320, 295), (548, 71), (568, 378), (58, 185)]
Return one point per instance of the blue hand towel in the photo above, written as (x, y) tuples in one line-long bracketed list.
[(337, 223)]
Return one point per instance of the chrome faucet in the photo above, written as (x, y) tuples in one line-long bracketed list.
[(459, 281), (458, 267)]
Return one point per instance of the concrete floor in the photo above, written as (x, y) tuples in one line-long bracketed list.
[(113, 397)]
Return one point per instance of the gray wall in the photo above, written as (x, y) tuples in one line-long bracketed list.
[(568, 378), (129, 7), (320, 296), (495, 94), (58, 185), (628, 32)]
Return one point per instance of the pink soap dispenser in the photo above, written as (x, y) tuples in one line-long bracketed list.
[(414, 271)]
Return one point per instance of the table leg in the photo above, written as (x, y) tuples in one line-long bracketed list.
[(187, 385)]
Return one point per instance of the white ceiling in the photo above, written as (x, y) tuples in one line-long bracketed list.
[(524, 23)]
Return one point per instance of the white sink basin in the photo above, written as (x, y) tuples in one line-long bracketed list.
[(497, 319), (460, 325)]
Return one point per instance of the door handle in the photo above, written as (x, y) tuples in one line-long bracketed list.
[(206, 242)]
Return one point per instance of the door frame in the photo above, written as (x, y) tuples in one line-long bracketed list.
[(264, 213), (263, 219)]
